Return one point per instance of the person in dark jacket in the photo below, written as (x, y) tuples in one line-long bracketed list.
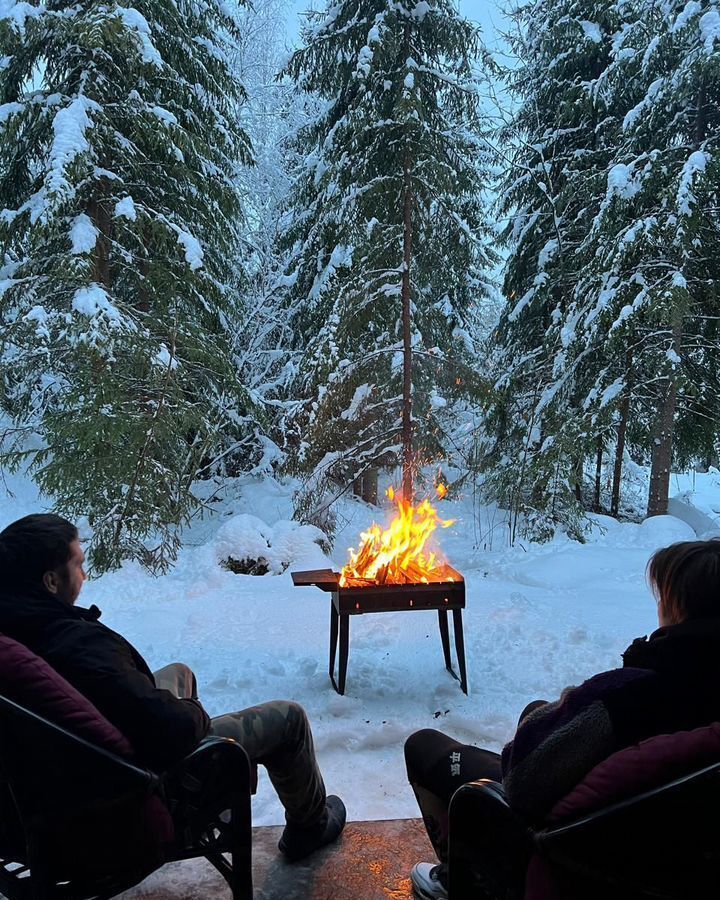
[(666, 684), (41, 576)]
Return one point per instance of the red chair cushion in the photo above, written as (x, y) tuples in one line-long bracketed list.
[(642, 767), (28, 680)]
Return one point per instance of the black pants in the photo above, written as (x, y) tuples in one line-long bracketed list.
[(437, 766)]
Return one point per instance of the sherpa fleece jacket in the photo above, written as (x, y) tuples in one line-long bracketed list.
[(669, 682), (108, 670)]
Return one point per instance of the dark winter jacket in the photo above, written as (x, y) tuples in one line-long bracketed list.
[(669, 682), (108, 670)]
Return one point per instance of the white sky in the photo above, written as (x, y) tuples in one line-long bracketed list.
[(485, 12)]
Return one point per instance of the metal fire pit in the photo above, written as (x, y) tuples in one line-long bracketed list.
[(355, 601)]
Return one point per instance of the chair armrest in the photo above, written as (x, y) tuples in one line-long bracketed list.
[(216, 776), (490, 845), (211, 754)]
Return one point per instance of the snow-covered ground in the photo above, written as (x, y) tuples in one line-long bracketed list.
[(538, 618)]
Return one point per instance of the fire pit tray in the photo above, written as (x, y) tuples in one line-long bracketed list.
[(375, 598)]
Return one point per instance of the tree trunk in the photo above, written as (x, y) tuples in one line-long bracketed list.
[(370, 486), (101, 219), (578, 478), (621, 436), (407, 442), (663, 439), (598, 476), (358, 486)]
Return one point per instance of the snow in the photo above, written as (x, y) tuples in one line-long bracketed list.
[(650, 97), (17, 13), (92, 301), (547, 253), (538, 617), (409, 81), (69, 126), (83, 234), (362, 393), (611, 392), (694, 165), (420, 10), (679, 280), (191, 245), (621, 182), (710, 29), (365, 58), (125, 209), (436, 401), (39, 315), (164, 359), (135, 20), (692, 8), (164, 115), (592, 31), (286, 543), (9, 109)]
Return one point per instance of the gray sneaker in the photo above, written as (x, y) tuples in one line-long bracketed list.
[(426, 882)]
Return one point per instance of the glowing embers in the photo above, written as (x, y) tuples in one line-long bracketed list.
[(399, 553)]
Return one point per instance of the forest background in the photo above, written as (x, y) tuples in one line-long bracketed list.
[(407, 245)]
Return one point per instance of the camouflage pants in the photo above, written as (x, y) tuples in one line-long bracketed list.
[(276, 735)]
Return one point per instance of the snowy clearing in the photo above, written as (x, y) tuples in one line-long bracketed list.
[(538, 618)]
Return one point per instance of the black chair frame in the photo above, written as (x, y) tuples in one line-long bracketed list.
[(208, 796), (662, 843)]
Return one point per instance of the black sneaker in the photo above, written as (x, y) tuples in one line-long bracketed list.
[(297, 843)]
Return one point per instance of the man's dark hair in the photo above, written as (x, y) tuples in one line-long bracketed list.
[(32, 546), (685, 578)]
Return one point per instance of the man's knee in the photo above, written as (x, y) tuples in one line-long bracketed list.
[(296, 716), (178, 678), (416, 749)]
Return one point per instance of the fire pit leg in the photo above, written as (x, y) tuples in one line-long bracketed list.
[(339, 627), (445, 637), (460, 648), (334, 616), (344, 642)]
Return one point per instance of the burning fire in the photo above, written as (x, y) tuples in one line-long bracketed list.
[(397, 555)]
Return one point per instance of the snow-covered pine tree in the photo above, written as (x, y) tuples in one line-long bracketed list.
[(117, 163), (390, 258), (656, 237), (271, 115), (555, 151)]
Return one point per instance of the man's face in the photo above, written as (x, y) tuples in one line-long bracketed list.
[(66, 582)]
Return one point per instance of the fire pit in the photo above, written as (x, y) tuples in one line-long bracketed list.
[(392, 572)]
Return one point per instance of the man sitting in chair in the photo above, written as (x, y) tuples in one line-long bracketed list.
[(41, 576), (668, 683)]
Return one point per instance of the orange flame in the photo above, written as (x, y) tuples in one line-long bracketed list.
[(441, 490), (397, 554)]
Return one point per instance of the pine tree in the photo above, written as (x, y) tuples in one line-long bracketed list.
[(117, 173), (555, 152), (271, 116), (390, 257), (656, 234)]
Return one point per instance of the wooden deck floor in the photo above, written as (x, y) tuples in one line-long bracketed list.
[(371, 861)]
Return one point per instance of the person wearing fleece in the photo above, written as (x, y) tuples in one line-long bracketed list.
[(667, 683)]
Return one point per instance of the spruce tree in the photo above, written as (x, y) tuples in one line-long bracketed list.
[(555, 152), (656, 245), (117, 176), (390, 256), (272, 115)]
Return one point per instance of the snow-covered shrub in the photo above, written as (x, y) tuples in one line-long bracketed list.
[(246, 545)]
